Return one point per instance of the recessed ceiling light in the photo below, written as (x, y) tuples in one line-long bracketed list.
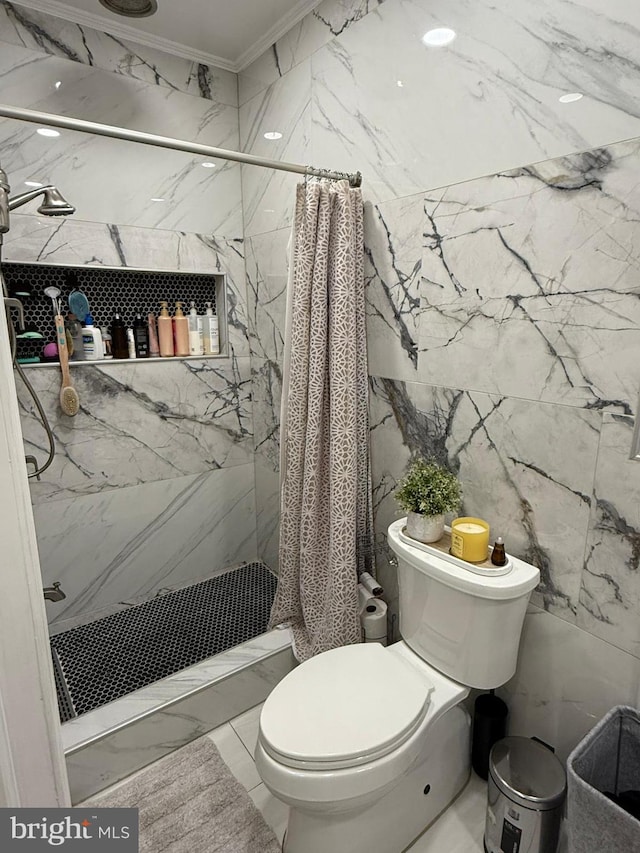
[(58, 83), (273, 134), (400, 83), (48, 131), (569, 97), (33, 184), (157, 199), (439, 37), (208, 165), (131, 8)]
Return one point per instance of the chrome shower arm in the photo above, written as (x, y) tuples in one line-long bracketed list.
[(24, 198)]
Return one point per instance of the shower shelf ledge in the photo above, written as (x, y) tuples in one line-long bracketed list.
[(101, 361)]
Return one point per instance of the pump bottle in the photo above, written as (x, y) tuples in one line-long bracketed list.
[(180, 331), (196, 344), (165, 331), (211, 332), (119, 343)]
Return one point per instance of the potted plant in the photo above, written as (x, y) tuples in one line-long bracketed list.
[(427, 492)]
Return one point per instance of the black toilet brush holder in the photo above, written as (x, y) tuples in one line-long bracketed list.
[(489, 725)]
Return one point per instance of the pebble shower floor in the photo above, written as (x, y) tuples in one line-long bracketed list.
[(106, 659)]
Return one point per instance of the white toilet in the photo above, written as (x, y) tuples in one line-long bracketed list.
[(366, 744)]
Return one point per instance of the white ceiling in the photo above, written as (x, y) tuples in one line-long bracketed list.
[(227, 33)]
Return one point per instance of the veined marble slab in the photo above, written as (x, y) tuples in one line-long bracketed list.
[(412, 117), (195, 199), (530, 284), (268, 195), (331, 18), (267, 259), (566, 681), (55, 36), (127, 543), (393, 261), (108, 747), (139, 423), (526, 468), (267, 275), (610, 594), (73, 241), (268, 514)]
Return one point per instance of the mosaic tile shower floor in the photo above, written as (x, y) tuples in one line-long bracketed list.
[(113, 656)]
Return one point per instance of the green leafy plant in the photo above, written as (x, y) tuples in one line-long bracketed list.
[(429, 489)]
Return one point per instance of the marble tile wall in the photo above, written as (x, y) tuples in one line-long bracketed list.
[(155, 448), (51, 65), (519, 371), (25, 27), (353, 87), (502, 310)]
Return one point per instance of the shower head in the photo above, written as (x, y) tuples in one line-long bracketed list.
[(53, 204)]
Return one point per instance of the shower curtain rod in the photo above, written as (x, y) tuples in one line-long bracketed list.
[(36, 117)]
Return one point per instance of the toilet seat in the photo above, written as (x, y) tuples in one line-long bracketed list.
[(345, 707)]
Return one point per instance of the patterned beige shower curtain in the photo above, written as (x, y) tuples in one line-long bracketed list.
[(325, 496)]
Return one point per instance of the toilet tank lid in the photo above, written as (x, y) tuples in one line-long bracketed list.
[(521, 580), (344, 707)]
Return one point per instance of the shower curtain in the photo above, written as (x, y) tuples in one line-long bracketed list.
[(326, 529)]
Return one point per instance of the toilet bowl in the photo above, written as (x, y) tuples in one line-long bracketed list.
[(367, 745), (376, 744)]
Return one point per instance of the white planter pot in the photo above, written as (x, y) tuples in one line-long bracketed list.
[(425, 528)]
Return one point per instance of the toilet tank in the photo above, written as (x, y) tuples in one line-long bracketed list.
[(466, 625)]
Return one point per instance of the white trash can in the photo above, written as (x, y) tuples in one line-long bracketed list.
[(527, 789)]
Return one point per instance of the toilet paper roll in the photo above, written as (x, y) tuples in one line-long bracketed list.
[(374, 621), (364, 597), (371, 584)]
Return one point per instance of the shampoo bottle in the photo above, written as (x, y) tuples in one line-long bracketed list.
[(165, 331), (154, 347), (196, 346), (140, 337), (119, 345), (180, 331), (211, 331), (91, 340)]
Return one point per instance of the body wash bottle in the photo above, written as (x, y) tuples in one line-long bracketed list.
[(165, 331), (180, 331), (154, 346), (211, 332), (195, 332), (91, 340)]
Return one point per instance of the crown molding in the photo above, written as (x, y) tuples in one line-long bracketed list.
[(129, 33), (123, 31), (293, 17)]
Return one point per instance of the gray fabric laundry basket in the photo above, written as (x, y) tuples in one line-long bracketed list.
[(606, 759)]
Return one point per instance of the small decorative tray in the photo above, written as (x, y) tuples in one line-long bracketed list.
[(441, 549)]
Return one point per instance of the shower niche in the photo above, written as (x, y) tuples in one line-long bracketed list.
[(108, 289)]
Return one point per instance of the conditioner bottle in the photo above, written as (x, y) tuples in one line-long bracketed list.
[(211, 332), (180, 331), (165, 331), (195, 332)]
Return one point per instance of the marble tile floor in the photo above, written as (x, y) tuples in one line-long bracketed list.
[(458, 830)]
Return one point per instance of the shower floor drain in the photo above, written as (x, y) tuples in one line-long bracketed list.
[(106, 659)]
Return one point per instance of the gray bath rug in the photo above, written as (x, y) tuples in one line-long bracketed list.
[(190, 802)]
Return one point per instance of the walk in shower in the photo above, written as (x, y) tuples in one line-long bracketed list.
[(157, 599)]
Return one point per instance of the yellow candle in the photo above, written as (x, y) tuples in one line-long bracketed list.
[(470, 539)]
